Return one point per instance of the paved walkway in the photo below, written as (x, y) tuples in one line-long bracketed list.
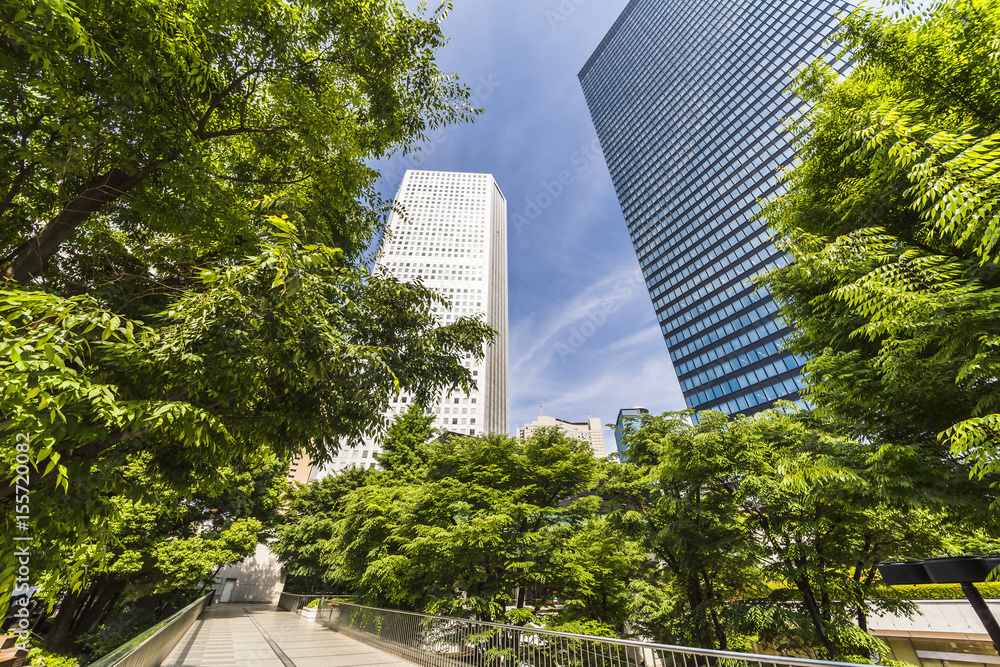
[(238, 635)]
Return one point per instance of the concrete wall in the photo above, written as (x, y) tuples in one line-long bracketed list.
[(258, 578), (944, 633), (936, 616)]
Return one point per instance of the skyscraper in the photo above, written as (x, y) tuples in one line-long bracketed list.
[(454, 236), (627, 417), (688, 100)]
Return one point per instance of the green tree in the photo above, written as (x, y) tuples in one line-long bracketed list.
[(768, 528), (678, 493), (185, 216), (291, 350), (592, 564), (492, 518), (309, 525), (164, 541), (891, 217), (129, 157), (824, 512), (404, 448)]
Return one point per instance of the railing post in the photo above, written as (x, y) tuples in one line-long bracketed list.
[(436, 641)]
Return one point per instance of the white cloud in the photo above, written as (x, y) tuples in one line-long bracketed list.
[(641, 337), (540, 332)]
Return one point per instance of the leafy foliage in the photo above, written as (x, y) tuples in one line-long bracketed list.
[(133, 155), (990, 591), (729, 509), (677, 492), (290, 350), (892, 219), (160, 542), (721, 534), (490, 518), (186, 218), (309, 525), (40, 657), (404, 448), (824, 515)]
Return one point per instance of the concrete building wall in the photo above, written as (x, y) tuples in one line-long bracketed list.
[(259, 578), (589, 431), (496, 395)]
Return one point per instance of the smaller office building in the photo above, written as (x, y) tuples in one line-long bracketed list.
[(588, 431)]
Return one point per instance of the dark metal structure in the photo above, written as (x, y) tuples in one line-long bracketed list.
[(964, 570)]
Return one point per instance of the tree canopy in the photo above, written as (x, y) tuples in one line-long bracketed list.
[(131, 156), (167, 541), (765, 529), (187, 217), (404, 449), (712, 532), (491, 525), (309, 525), (891, 216)]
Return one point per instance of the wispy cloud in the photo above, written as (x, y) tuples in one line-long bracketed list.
[(583, 336), (538, 332), (598, 351)]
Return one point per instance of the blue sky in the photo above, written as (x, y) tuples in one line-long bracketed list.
[(583, 337)]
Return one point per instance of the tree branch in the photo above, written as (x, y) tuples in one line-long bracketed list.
[(221, 96), (261, 181), (15, 186), (241, 130), (30, 262)]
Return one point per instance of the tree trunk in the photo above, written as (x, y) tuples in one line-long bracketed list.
[(98, 611), (58, 639), (720, 632), (816, 616), (30, 261), (702, 626), (865, 588)]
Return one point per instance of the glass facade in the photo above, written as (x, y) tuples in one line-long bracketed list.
[(626, 415), (688, 99)]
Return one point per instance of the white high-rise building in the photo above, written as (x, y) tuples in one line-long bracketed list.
[(453, 235)]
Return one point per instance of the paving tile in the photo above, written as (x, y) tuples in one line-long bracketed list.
[(229, 636), (349, 661)]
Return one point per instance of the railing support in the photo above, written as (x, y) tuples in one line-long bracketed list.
[(440, 641), (975, 598), (151, 648)]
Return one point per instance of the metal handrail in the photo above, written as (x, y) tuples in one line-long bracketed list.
[(442, 641), (289, 601), (151, 647), (294, 601)]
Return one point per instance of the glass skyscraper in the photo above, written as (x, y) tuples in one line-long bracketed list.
[(689, 99), (626, 415)]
